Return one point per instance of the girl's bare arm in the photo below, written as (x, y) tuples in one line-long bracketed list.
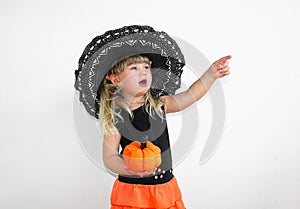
[(199, 88), (111, 157)]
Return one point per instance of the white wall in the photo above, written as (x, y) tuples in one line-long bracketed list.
[(256, 166)]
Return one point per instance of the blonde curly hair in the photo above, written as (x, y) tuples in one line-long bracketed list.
[(111, 99)]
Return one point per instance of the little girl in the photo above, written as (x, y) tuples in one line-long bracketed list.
[(132, 109)]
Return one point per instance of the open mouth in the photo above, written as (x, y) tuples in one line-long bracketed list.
[(143, 82)]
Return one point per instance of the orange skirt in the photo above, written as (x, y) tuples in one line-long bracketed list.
[(137, 196)]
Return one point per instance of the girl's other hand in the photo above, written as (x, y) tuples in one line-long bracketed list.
[(220, 68), (143, 173)]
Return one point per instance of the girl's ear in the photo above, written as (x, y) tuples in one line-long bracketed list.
[(114, 80)]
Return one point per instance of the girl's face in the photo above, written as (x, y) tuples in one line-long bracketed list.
[(135, 80)]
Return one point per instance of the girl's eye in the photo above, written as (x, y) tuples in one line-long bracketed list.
[(133, 68), (147, 67)]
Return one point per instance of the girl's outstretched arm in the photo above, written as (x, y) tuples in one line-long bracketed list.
[(199, 88)]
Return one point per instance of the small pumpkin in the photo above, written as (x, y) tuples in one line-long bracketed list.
[(141, 157)]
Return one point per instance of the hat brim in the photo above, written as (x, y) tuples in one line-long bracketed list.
[(166, 59)]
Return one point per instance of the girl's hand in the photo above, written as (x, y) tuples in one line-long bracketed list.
[(219, 68), (143, 173)]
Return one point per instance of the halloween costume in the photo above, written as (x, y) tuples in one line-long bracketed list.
[(159, 190)]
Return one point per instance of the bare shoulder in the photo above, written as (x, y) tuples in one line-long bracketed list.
[(170, 104)]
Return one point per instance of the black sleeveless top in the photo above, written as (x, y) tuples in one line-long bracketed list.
[(142, 127)]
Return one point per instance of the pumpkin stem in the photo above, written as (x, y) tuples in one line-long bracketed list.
[(144, 142), (143, 145)]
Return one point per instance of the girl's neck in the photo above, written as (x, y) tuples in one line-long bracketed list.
[(135, 102)]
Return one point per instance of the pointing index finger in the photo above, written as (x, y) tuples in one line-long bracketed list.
[(224, 59)]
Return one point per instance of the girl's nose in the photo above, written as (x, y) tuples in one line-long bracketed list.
[(142, 70)]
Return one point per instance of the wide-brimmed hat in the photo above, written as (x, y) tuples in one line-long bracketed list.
[(106, 50)]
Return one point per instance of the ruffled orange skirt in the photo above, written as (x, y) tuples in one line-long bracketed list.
[(137, 196)]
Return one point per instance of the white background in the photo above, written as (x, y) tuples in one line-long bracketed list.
[(257, 165)]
